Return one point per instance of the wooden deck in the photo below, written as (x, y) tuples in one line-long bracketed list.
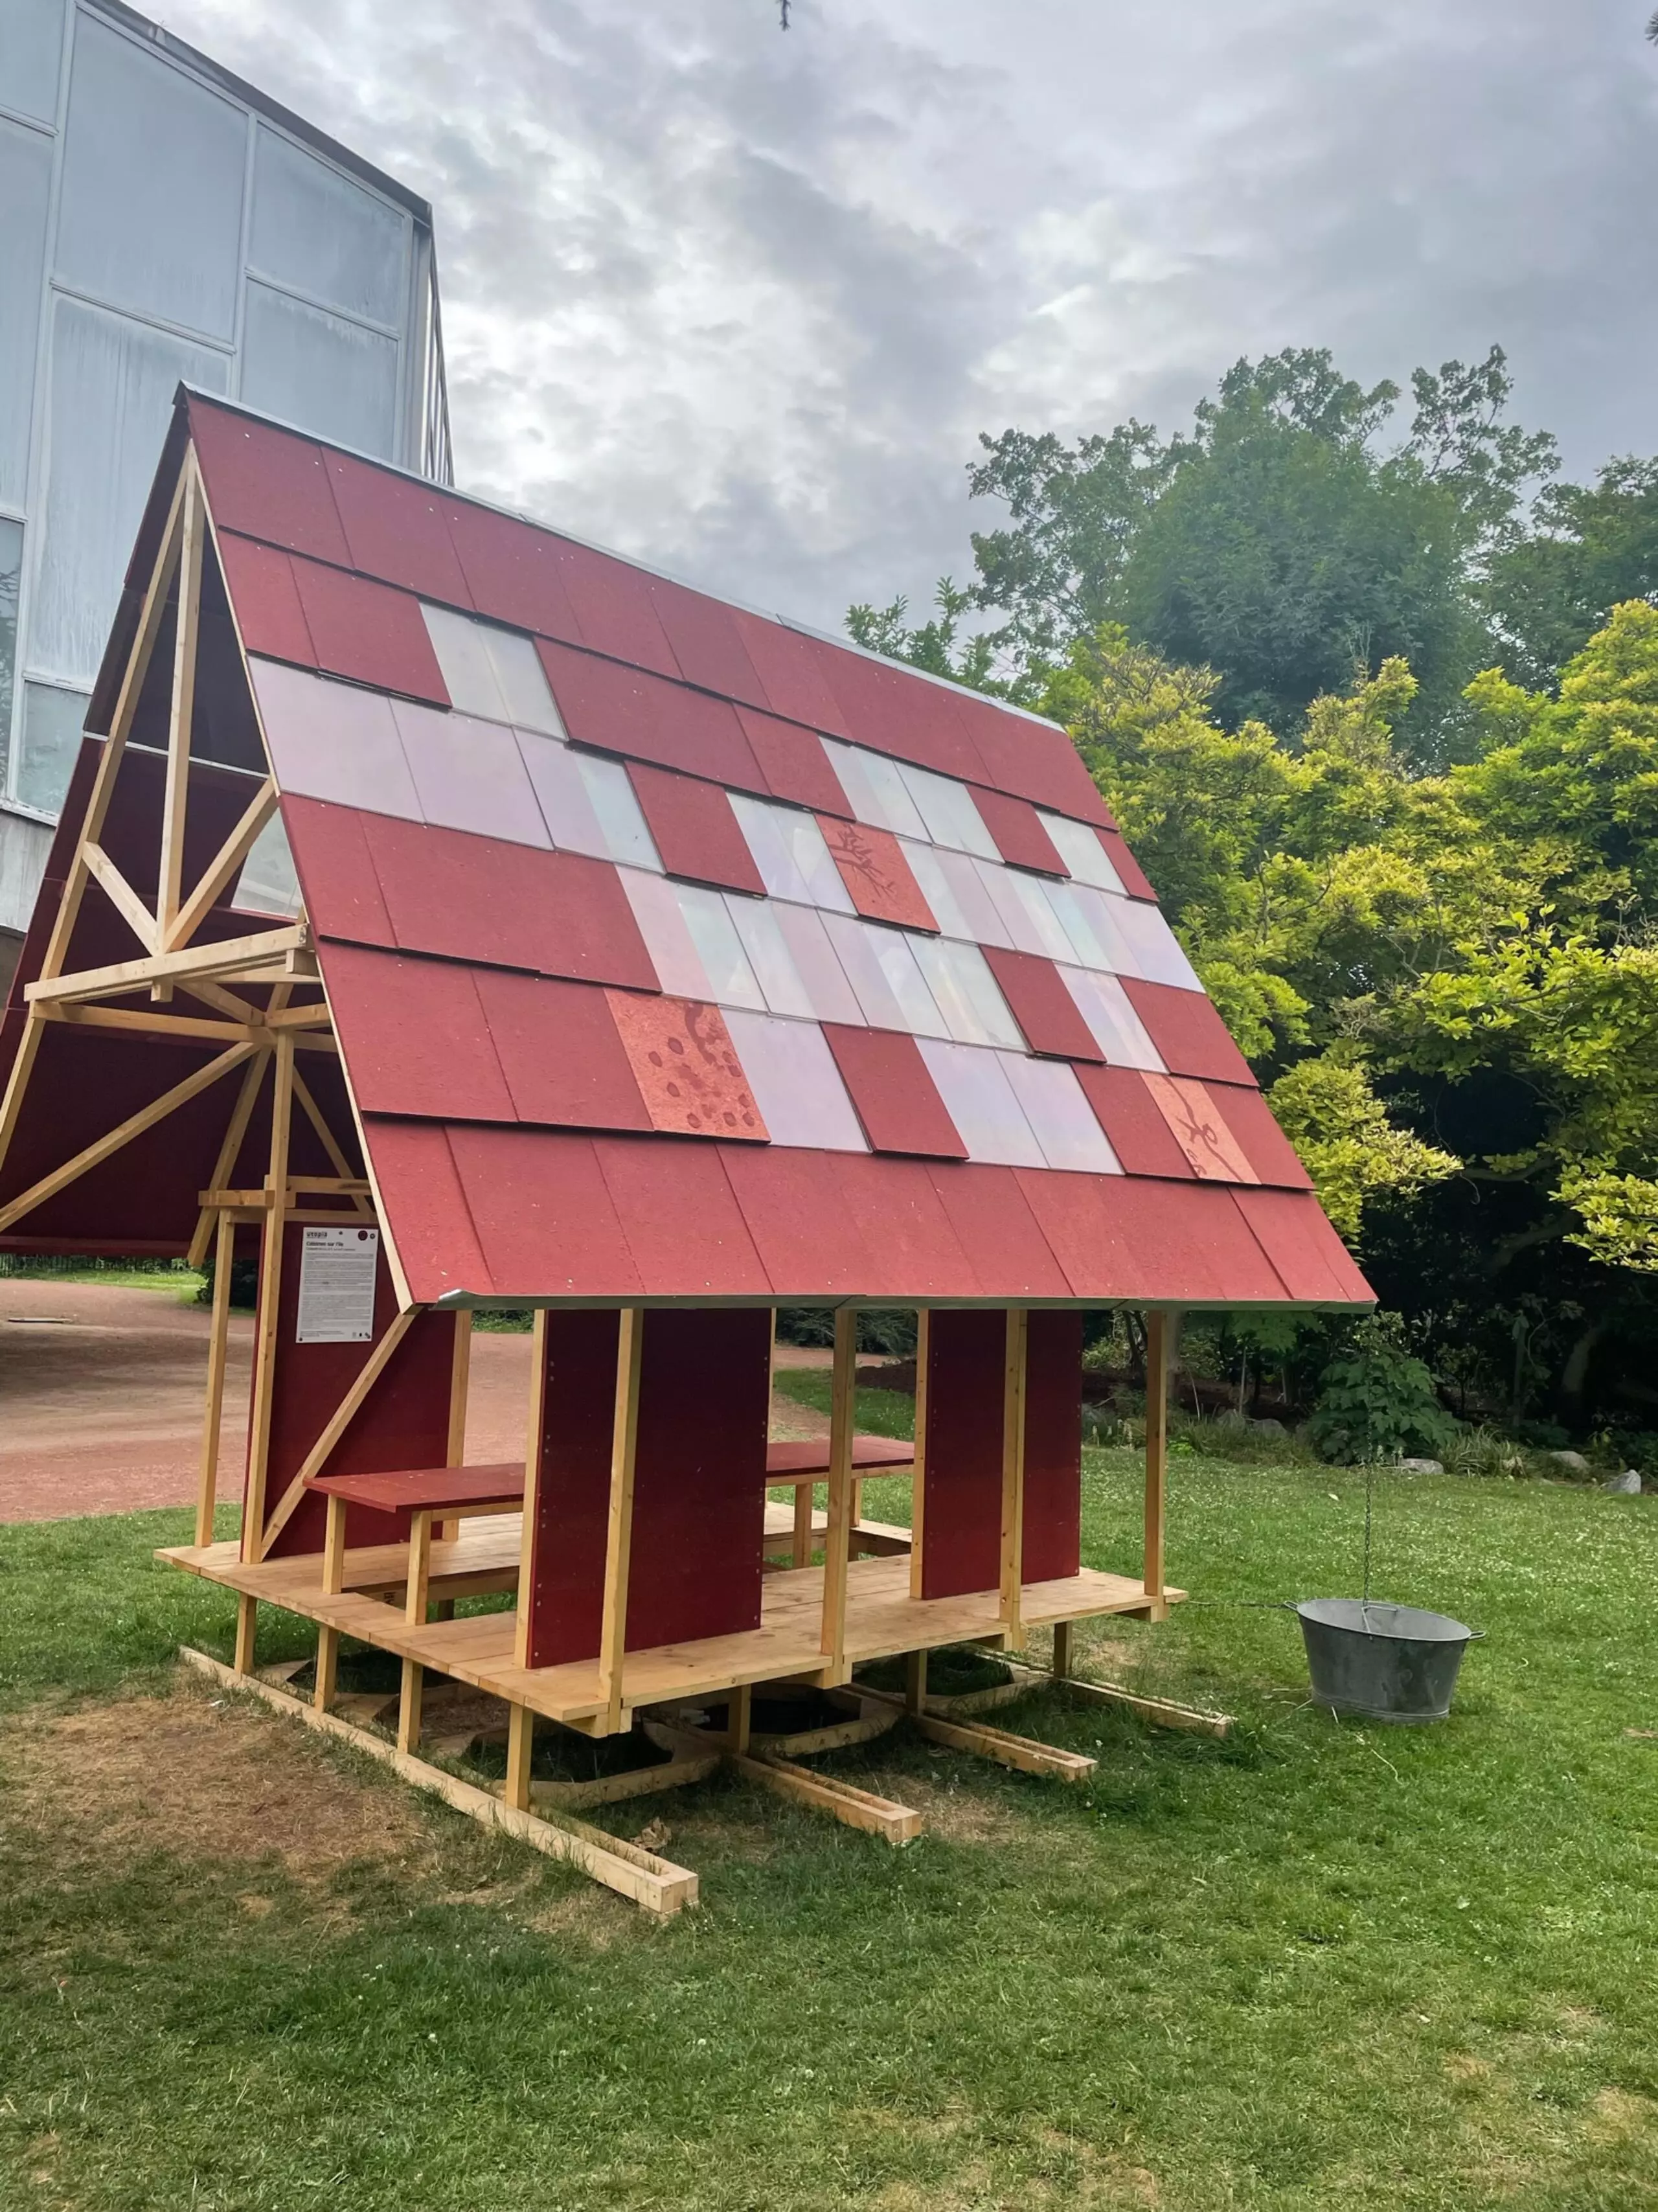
[(882, 1618)]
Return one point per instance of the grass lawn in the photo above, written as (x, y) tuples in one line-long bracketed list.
[(1320, 1964)]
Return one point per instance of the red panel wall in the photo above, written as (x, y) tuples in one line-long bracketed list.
[(699, 1479), (1053, 1446), (405, 1422)]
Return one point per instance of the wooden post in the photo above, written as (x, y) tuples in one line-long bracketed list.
[(739, 1707), (843, 1410), (409, 1704), (271, 1282), (170, 885), (915, 1682), (805, 1495), (459, 1379), (333, 1548), (618, 1542), (1157, 1327), (1013, 1393), (420, 1567), (520, 1747), (328, 1668), (247, 1615), (918, 1479), (1062, 1649), (218, 1347), (531, 1486)]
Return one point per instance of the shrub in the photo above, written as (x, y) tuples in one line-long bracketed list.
[(1377, 1401)]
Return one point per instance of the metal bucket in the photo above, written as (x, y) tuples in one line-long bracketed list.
[(1385, 1662)]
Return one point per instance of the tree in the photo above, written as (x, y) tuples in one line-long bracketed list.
[(1590, 548)]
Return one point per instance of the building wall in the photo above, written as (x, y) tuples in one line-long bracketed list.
[(162, 220)]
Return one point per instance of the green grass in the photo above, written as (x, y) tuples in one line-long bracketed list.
[(183, 1284), (1320, 1964)]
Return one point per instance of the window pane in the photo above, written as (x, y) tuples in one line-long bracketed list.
[(31, 51), (967, 994), (1154, 950), (795, 1083), (323, 233), (11, 565), (1081, 851), (980, 1101), (626, 837), (1118, 1029), (755, 923), (789, 851), (906, 982), (731, 979), (52, 738), (151, 211), (24, 187), (1060, 1117), (468, 673), (562, 794), (662, 925), (469, 774), (876, 999), (329, 376), (832, 999), (523, 681), (947, 808)]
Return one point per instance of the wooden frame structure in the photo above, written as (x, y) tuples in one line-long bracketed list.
[(327, 1533)]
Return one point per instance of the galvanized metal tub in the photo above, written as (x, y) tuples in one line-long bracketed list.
[(1383, 1663)]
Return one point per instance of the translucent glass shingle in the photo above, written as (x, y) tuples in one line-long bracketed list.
[(25, 189), (1061, 1120), (831, 996), (763, 940), (978, 1099), (11, 572), (470, 773), (667, 935), (112, 383), (1086, 916), (795, 1083), (1153, 946), (731, 980), (150, 206), (491, 671), (1117, 1029), (268, 884), (877, 1002), (876, 792), (966, 994), (978, 910), (620, 820), (562, 795), (1018, 921), (897, 955), (789, 851), (334, 741), (324, 234), (310, 367), (947, 809), (1082, 852)]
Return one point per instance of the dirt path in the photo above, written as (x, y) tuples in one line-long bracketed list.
[(101, 1389)]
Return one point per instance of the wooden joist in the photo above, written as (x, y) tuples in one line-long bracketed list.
[(233, 957), (1022, 1752), (1161, 1712)]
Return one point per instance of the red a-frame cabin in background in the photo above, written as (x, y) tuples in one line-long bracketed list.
[(456, 915)]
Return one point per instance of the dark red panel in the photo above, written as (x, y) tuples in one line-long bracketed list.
[(414, 1037), (559, 1051), (1174, 1243), (398, 529), (683, 1224), (403, 1422), (1042, 1008), (893, 1204), (1200, 1130), (1188, 1031), (266, 601), (1140, 1136), (687, 1067), (336, 871), (426, 1211), (611, 602), (369, 632), (893, 1091), (1033, 760), (874, 870), (1302, 1247), (1133, 876), (477, 898), (627, 710), (1018, 829), (515, 572), (696, 831), (267, 484), (997, 1232), (897, 711), (962, 1467), (793, 763), (543, 1215), (705, 641), (1264, 1146), (786, 661), (699, 1487), (1052, 1447), (809, 1246)]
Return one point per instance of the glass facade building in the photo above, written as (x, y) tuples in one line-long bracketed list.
[(161, 220)]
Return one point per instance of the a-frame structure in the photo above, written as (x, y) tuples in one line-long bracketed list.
[(452, 916)]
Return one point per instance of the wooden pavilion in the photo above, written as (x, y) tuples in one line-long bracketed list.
[(453, 916)]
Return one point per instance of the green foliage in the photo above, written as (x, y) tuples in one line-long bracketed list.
[(1590, 547), (1353, 1152), (1377, 1401)]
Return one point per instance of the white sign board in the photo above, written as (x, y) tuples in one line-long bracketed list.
[(337, 1287)]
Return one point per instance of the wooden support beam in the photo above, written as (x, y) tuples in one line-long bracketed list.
[(1062, 1649), (270, 1277), (224, 1166), (417, 1590), (843, 1414), (134, 1126), (800, 1540), (656, 1884), (915, 1682), (1158, 1332), (333, 1547), (344, 1414), (181, 714), (534, 1431), (739, 1708), (408, 1706), (918, 1479), (221, 869), (1022, 1752), (460, 1372), (328, 1668), (619, 1531), (247, 1623), (141, 1021), (224, 1002), (521, 1750), (120, 893), (233, 955), (857, 1809), (1013, 1398), (1161, 1712), (218, 1347)]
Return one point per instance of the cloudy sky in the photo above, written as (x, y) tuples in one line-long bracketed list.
[(740, 301)]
